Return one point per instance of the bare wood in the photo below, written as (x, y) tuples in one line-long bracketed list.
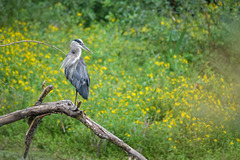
[(44, 94), (68, 108), (39, 101), (33, 42), (43, 85), (34, 121), (31, 132)]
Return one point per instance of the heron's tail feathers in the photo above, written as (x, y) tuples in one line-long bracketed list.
[(84, 91)]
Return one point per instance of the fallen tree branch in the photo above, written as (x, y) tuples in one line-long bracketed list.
[(34, 121), (69, 109), (4, 45), (44, 94), (31, 132)]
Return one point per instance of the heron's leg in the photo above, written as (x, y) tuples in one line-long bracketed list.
[(76, 98)]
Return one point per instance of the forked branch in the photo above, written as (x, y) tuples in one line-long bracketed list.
[(34, 121), (69, 109)]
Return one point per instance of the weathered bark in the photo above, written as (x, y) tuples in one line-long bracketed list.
[(34, 121), (68, 108)]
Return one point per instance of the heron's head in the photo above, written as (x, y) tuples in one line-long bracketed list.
[(74, 55), (78, 43)]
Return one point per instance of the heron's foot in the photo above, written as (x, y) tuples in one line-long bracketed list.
[(78, 105)]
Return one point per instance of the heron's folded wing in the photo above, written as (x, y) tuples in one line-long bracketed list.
[(80, 79)]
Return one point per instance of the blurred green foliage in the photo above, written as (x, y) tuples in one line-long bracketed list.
[(214, 19)]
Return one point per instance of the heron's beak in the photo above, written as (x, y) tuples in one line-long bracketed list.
[(86, 49)]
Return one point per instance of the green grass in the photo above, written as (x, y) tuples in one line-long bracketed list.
[(152, 86)]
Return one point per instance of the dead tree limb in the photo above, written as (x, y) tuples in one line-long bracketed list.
[(69, 109), (34, 121), (33, 41), (44, 94)]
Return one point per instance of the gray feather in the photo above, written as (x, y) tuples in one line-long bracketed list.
[(79, 77)]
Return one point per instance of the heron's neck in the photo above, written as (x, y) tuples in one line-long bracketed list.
[(79, 51)]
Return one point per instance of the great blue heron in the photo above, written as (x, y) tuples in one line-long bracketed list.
[(76, 69)]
